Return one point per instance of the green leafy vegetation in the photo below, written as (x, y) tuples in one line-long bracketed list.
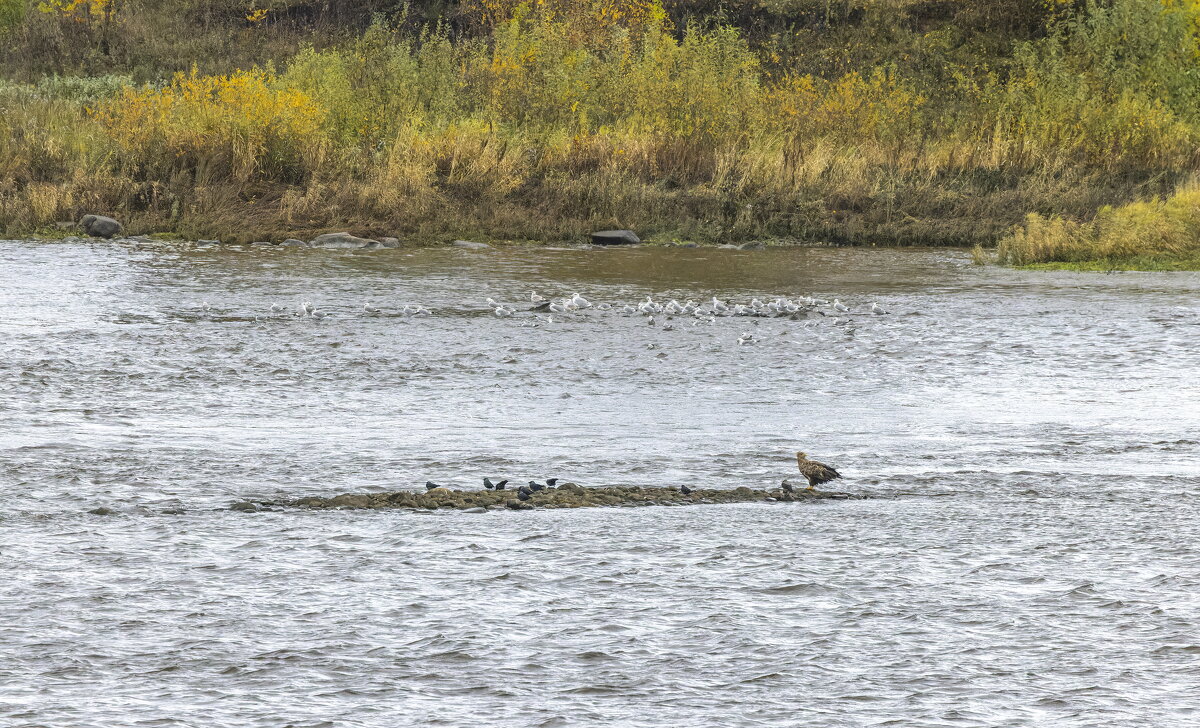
[(861, 121)]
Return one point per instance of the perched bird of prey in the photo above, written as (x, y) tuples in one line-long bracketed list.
[(817, 473)]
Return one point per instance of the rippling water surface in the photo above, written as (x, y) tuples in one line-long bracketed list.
[(1033, 562)]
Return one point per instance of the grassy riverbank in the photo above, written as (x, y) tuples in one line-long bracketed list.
[(896, 122)]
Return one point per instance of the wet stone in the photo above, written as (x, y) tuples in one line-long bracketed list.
[(99, 226), (615, 237), (351, 501), (343, 241), (244, 507)]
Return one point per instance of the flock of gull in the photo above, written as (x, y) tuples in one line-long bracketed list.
[(566, 307), (542, 311)]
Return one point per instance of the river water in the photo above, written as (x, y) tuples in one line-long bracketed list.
[(1032, 559)]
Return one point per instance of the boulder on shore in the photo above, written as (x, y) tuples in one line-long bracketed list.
[(470, 245), (294, 243), (343, 241), (615, 237), (98, 226)]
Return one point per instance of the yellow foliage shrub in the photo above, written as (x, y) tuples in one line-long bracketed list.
[(853, 108), (1159, 228), (241, 125)]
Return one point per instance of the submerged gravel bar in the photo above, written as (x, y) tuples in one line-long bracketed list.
[(568, 495)]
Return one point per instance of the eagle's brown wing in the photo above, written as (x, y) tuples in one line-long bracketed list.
[(818, 473)]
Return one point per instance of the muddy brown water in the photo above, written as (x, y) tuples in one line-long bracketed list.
[(1054, 579)]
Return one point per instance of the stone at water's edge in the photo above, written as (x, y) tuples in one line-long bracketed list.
[(470, 245), (294, 243), (567, 495), (615, 237), (343, 241), (98, 226)]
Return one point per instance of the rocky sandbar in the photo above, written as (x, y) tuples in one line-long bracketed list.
[(565, 496)]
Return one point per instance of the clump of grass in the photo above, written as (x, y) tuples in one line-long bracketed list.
[(1147, 234)]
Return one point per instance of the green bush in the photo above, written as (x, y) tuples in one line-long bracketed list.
[(12, 13)]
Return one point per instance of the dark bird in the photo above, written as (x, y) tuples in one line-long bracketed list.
[(430, 485), (536, 486), (501, 484), (817, 473), (524, 493), (488, 484), (685, 490), (551, 482), (787, 487)]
